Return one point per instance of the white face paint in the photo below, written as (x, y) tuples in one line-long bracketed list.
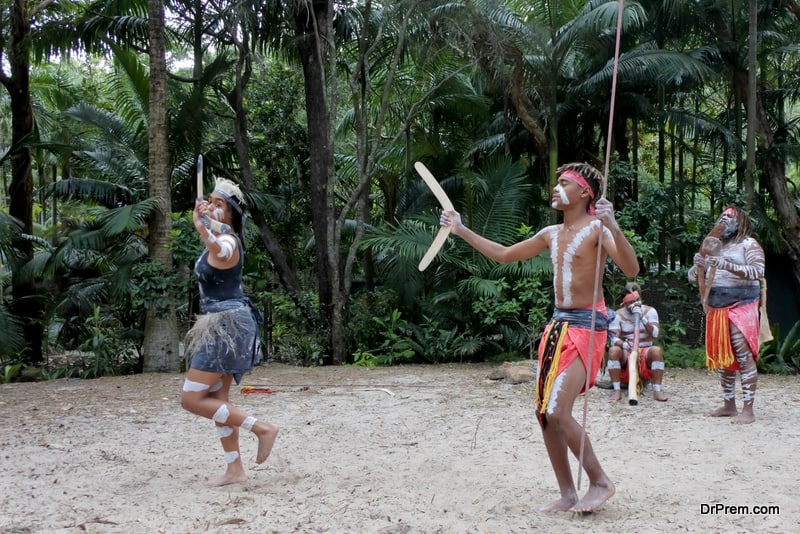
[(562, 195), (218, 214)]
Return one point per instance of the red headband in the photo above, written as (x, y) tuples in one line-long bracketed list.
[(576, 177), (633, 296)]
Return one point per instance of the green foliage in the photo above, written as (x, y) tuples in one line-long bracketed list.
[(679, 355), (11, 339), (514, 316), (364, 307), (381, 336), (678, 306), (184, 243), (362, 358), (397, 344), (10, 371), (296, 336), (781, 355), (436, 344), (155, 285), (110, 354)]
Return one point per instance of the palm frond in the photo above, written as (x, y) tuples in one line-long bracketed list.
[(105, 193), (12, 342), (500, 199)]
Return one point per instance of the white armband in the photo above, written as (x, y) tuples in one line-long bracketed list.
[(227, 245)]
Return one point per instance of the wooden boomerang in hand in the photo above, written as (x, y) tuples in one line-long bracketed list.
[(441, 196)]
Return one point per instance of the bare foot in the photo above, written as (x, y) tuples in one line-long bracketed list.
[(616, 396), (660, 396), (226, 479), (561, 505), (598, 493), (266, 439), (725, 411), (744, 418)]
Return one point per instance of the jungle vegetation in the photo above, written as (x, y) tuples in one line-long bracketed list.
[(319, 109)]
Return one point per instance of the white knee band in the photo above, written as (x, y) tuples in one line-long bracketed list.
[(614, 364), (191, 385), (248, 422), (231, 456), (224, 431), (657, 366), (216, 387), (221, 415)]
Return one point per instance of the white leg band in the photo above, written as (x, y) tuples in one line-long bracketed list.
[(231, 457), (216, 387), (616, 385), (248, 422), (657, 366), (656, 387), (614, 364), (221, 415), (191, 385), (224, 431)]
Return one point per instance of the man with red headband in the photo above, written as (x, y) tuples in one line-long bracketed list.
[(569, 348), (632, 319), (734, 276)]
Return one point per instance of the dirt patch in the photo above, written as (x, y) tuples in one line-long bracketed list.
[(418, 449)]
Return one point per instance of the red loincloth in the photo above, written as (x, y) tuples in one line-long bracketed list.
[(719, 352)]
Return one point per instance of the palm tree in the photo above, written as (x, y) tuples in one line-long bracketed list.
[(160, 344), (28, 303)]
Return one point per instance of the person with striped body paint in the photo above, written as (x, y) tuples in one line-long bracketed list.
[(622, 332), (734, 311), (567, 342)]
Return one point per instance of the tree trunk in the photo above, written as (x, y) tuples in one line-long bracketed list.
[(160, 347), (241, 138), (312, 28), (752, 49), (27, 305), (773, 169)]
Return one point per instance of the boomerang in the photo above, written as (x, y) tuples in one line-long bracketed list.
[(444, 201)]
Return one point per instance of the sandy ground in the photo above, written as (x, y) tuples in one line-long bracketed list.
[(417, 449)]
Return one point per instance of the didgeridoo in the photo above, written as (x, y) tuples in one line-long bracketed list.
[(633, 364)]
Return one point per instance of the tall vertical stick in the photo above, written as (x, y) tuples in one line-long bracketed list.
[(598, 272)]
